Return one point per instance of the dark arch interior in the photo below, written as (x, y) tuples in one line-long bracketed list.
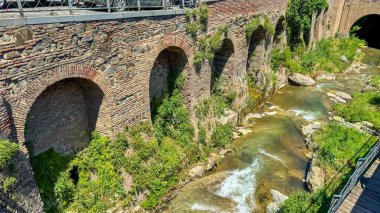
[(220, 63), (279, 30), (63, 117), (369, 30), (256, 50), (169, 64)]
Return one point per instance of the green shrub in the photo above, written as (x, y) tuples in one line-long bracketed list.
[(192, 28), (222, 135), (297, 202), (252, 26), (8, 183), (47, 168), (363, 107), (268, 26), (208, 46), (298, 18), (203, 16), (202, 135), (337, 144), (98, 184), (7, 151), (375, 82)]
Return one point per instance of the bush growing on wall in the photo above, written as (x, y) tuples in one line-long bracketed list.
[(7, 151), (298, 19)]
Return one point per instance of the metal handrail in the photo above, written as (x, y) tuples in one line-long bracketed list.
[(27, 6), (362, 165)]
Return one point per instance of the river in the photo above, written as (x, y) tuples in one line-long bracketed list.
[(274, 155)]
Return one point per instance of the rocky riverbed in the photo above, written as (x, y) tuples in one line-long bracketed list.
[(271, 151)]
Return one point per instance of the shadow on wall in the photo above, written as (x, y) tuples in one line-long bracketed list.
[(63, 117)]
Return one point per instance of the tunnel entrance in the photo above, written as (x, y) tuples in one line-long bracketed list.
[(368, 30), (169, 64), (63, 117), (222, 66)]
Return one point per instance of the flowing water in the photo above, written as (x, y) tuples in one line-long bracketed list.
[(274, 155)]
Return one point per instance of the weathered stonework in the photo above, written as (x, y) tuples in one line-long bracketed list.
[(77, 77)]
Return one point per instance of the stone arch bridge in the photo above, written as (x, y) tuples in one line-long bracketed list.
[(60, 81)]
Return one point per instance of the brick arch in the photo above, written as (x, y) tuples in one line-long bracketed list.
[(38, 85), (172, 41), (181, 46), (355, 10)]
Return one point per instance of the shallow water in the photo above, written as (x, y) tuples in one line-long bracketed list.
[(273, 156)]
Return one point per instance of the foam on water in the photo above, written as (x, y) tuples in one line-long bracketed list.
[(307, 115), (274, 157), (240, 186), (204, 207)]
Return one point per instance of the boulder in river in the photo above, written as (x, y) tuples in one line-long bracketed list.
[(315, 177), (197, 172), (277, 200), (335, 98), (325, 76), (301, 80), (311, 128)]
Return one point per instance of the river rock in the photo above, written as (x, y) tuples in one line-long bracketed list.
[(311, 128), (197, 172), (249, 118), (344, 58), (243, 130), (229, 116), (277, 200), (366, 127), (301, 80), (336, 98), (343, 95), (225, 151), (325, 76), (315, 177), (270, 113), (212, 161)]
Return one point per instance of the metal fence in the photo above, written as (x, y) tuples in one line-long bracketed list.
[(361, 167), (34, 8)]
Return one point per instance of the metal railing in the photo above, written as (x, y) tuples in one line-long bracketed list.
[(361, 167), (42, 8)]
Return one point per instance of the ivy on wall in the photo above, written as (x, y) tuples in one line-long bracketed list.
[(299, 16)]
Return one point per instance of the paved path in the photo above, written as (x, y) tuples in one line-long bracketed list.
[(365, 197)]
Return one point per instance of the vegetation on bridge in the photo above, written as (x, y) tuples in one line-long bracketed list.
[(325, 57), (299, 20), (140, 166), (7, 151)]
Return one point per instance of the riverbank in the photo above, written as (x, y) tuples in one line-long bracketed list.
[(274, 155)]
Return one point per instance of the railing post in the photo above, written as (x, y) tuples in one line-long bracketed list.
[(20, 8), (139, 5), (70, 7), (108, 6), (163, 4), (183, 3)]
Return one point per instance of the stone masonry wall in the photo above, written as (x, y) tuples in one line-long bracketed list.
[(116, 56)]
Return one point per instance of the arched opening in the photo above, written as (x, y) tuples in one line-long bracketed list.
[(279, 33), (256, 60), (169, 64), (63, 117), (256, 50), (368, 29), (222, 65)]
